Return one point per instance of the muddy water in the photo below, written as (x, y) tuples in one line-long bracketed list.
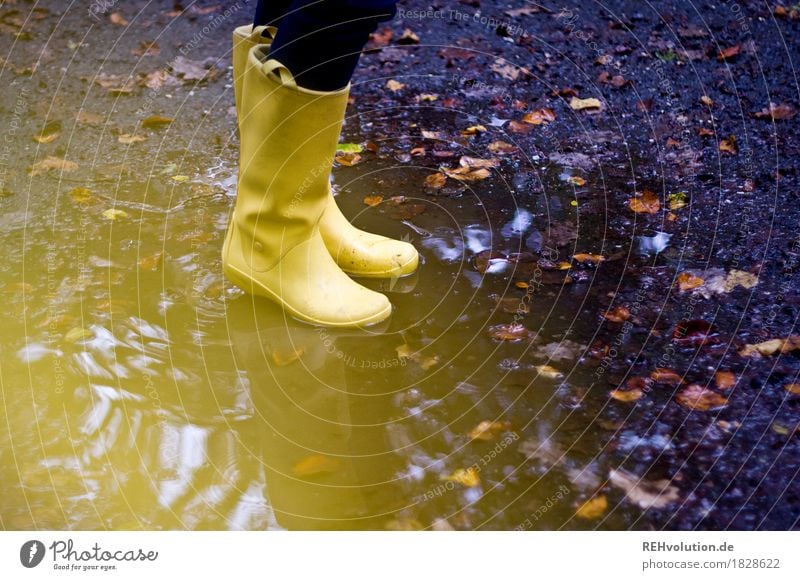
[(140, 390)]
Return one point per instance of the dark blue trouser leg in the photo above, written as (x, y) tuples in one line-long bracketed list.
[(320, 41)]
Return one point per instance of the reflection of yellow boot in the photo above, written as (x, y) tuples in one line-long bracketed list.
[(357, 252), (273, 247)]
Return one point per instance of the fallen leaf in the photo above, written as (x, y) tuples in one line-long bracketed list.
[(706, 100), (576, 180), (698, 398), (590, 258), (151, 263), (677, 200), (549, 372), (348, 159), (666, 376), (646, 494), (501, 147), (687, 281), (77, 334), (740, 278), (180, 178), (373, 200), (81, 195), (435, 180), (627, 395), (476, 162), (619, 314), (486, 430), (87, 118), (585, 104), (467, 477), (520, 128), (394, 85), (729, 52), (115, 84), (593, 508), (118, 19), (315, 465), (510, 332), (52, 163), (647, 202), (509, 71), (408, 37), (792, 388), (156, 121), (286, 357), (473, 130), (127, 139), (467, 174), (49, 133), (425, 362), (729, 145), (770, 347), (776, 112), (113, 214), (542, 116), (146, 48), (724, 380), (191, 70)]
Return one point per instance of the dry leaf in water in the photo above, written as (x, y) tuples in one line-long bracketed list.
[(510, 332), (373, 200), (724, 380), (52, 163), (486, 430), (687, 281), (315, 465), (619, 314), (646, 494), (542, 116), (770, 347), (729, 145), (348, 159), (590, 258), (394, 85), (435, 180), (593, 508), (698, 398), (647, 202), (666, 376), (590, 104), (467, 477)]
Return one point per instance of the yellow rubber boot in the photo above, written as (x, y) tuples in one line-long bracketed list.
[(273, 246), (357, 252)]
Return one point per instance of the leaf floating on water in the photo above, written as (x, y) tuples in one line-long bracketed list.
[(647, 202), (590, 104), (78, 333), (627, 395), (50, 163), (724, 380), (475, 162), (286, 357), (348, 159), (677, 200), (486, 430), (156, 121), (542, 116), (698, 398), (549, 372), (467, 174), (619, 314), (425, 362), (315, 465), (590, 258), (576, 180), (151, 263), (467, 477), (666, 376), (349, 148), (81, 195), (435, 180), (770, 347), (688, 281), (473, 130), (646, 494), (49, 133), (776, 112), (510, 332), (593, 508), (113, 214), (729, 52), (128, 139), (729, 145), (792, 388), (373, 200), (501, 148), (394, 85)]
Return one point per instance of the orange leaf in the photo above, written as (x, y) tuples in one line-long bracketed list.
[(591, 258), (435, 180), (627, 396), (687, 281), (619, 314), (373, 200), (729, 52), (348, 159), (725, 380), (592, 509), (666, 376), (729, 145), (647, 202), (539, 117), (699, 398), (315, 465), (485, 430)]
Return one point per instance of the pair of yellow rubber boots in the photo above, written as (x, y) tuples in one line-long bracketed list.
[(287, 239)]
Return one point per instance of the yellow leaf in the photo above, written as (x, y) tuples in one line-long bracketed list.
[(127, 138), (373, 200), (156, 121), (549, 372), (593, 509), (46, 138), (699, 398), (467, 477), (627, 396), (315, 465), (729, 145), (466, 174), (542, 116), (394, 85), (485, 430), (591, 258), (576, 180), (77, 334), (473, 130), (769, 347), (476, 162), (580, 104), (180, 178), (647, 202), (81, 195), (740, 278), (348, 159), (792, 388), (113, 214)]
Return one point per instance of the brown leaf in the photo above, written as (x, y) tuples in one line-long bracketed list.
[(729, 52), (646, 494), (542, 116), (473, 130), (156, 121), (770, 347), (373, 200), (191, 70), (501, 148), (520, 128), (146, 48), (729, 145), (666, 376), (619, 314), (128, 139), (348, 158), (115, 84), (476, 162), (724, 380), (593, 508), (698, 398), (687, 281), (118, 19), (381, 37), (408, 37), (435, 180), (510, 332), (467, 174), (486, 430), (777, 112), (52, 163), (792, 388), (647, 202)]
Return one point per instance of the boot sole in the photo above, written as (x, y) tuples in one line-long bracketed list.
[(250, 285)]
